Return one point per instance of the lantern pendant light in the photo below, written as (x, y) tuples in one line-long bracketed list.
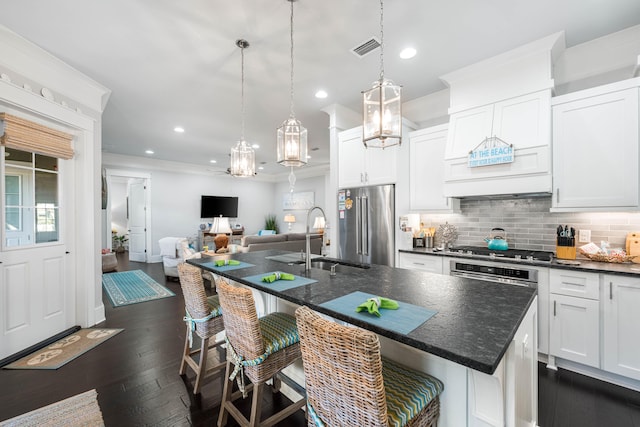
[(382, 107), (243, 158), (292, 136)]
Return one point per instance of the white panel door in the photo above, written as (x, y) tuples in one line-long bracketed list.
[(136, 223), (35, 301), (575, 329), (621, 310)]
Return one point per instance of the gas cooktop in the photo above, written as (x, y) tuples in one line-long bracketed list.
[(511, 254)]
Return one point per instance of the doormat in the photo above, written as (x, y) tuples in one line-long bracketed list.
[(131, 287), (80, 410), (64, 350)]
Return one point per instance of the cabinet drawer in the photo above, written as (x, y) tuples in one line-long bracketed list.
[(429, 263), (575, 283)]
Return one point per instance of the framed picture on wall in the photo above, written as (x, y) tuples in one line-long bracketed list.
[(298, 201)]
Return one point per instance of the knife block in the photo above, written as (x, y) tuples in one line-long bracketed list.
[(566, 252)]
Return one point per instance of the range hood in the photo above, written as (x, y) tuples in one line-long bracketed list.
[(506, 99)]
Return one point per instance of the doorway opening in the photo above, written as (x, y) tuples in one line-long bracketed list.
[(127, 215)]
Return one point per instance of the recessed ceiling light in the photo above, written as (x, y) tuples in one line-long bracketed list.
[(149, 151), (321, 94), (255, 146), (260, 168), (408, 53), (213, 161), (178, 129)]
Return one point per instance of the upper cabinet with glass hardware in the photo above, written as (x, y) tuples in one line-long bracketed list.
[(595, 148)]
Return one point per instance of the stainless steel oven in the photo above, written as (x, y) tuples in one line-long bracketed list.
[(510, 274)]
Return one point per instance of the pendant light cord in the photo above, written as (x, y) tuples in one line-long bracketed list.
[(291, 38), (381, 42), (242, 95)]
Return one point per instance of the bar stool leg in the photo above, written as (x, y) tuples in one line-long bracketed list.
[(226, 396), (256, 405), (185, 353), (202, 366)]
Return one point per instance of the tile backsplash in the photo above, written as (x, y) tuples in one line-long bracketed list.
[(529, 224)]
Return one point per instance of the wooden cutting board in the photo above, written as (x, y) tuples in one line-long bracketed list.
[(632, 246)]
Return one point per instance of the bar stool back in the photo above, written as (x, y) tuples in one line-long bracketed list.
[(349, 384), (258, 347), (204, 317)]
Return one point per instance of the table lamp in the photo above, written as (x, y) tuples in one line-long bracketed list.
[(289, 219), (319, 225), (221, 228)]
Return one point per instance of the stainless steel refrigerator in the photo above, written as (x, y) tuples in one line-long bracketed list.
[(366, 231)]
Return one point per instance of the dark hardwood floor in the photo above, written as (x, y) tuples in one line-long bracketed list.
[(136, 376)]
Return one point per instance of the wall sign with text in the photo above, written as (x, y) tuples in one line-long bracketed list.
[(298, 201), (491, 151)]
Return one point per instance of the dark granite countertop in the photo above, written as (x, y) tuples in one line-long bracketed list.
[(475, 320), (625, 269)]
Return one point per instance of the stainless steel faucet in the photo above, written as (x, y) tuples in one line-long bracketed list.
[(307, 263)]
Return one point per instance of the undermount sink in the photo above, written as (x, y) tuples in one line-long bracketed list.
[(340, 266)]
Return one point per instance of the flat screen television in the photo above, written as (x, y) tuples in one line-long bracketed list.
[(213, 206)]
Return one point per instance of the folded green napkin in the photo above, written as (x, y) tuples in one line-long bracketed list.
[(223, 262), (373, 304), (278, 276)]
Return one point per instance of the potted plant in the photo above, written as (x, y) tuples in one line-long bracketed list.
[(271, 223), (119, 241)]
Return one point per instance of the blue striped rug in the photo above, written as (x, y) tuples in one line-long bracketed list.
[(131, 287)]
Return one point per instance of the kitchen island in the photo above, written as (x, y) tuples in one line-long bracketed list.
[(480, 342)]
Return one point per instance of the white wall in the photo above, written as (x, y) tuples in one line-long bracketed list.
[(315, 185)]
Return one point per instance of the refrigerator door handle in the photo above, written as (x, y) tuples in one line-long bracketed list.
[(358, 227), (365, 225)]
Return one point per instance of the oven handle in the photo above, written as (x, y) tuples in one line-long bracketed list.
[(488, 279)]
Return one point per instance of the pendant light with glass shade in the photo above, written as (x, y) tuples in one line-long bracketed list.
[(382, 107), (243, 158), (292, 136)]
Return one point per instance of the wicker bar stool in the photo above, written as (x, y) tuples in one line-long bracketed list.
[(258, 347), (349, 384), (204, 316)]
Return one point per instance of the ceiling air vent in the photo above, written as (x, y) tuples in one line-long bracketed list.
[(367, 47)]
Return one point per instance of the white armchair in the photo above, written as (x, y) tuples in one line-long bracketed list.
[(175, 250)]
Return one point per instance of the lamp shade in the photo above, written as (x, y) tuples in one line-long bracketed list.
[(292, 143), (318, 223), (289, 218), (220, 225), (382, 109)]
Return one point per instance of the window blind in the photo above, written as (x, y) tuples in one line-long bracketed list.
[(26, 135)]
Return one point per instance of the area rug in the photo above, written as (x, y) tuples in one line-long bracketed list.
[(64, 350), (77, 411), (131, 287)]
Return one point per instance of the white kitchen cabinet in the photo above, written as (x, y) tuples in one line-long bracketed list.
[(426, 171), (430, 263), (359, 166), (575, 329), (524, 122), (574, 318), (621, 312), (595, 148)]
